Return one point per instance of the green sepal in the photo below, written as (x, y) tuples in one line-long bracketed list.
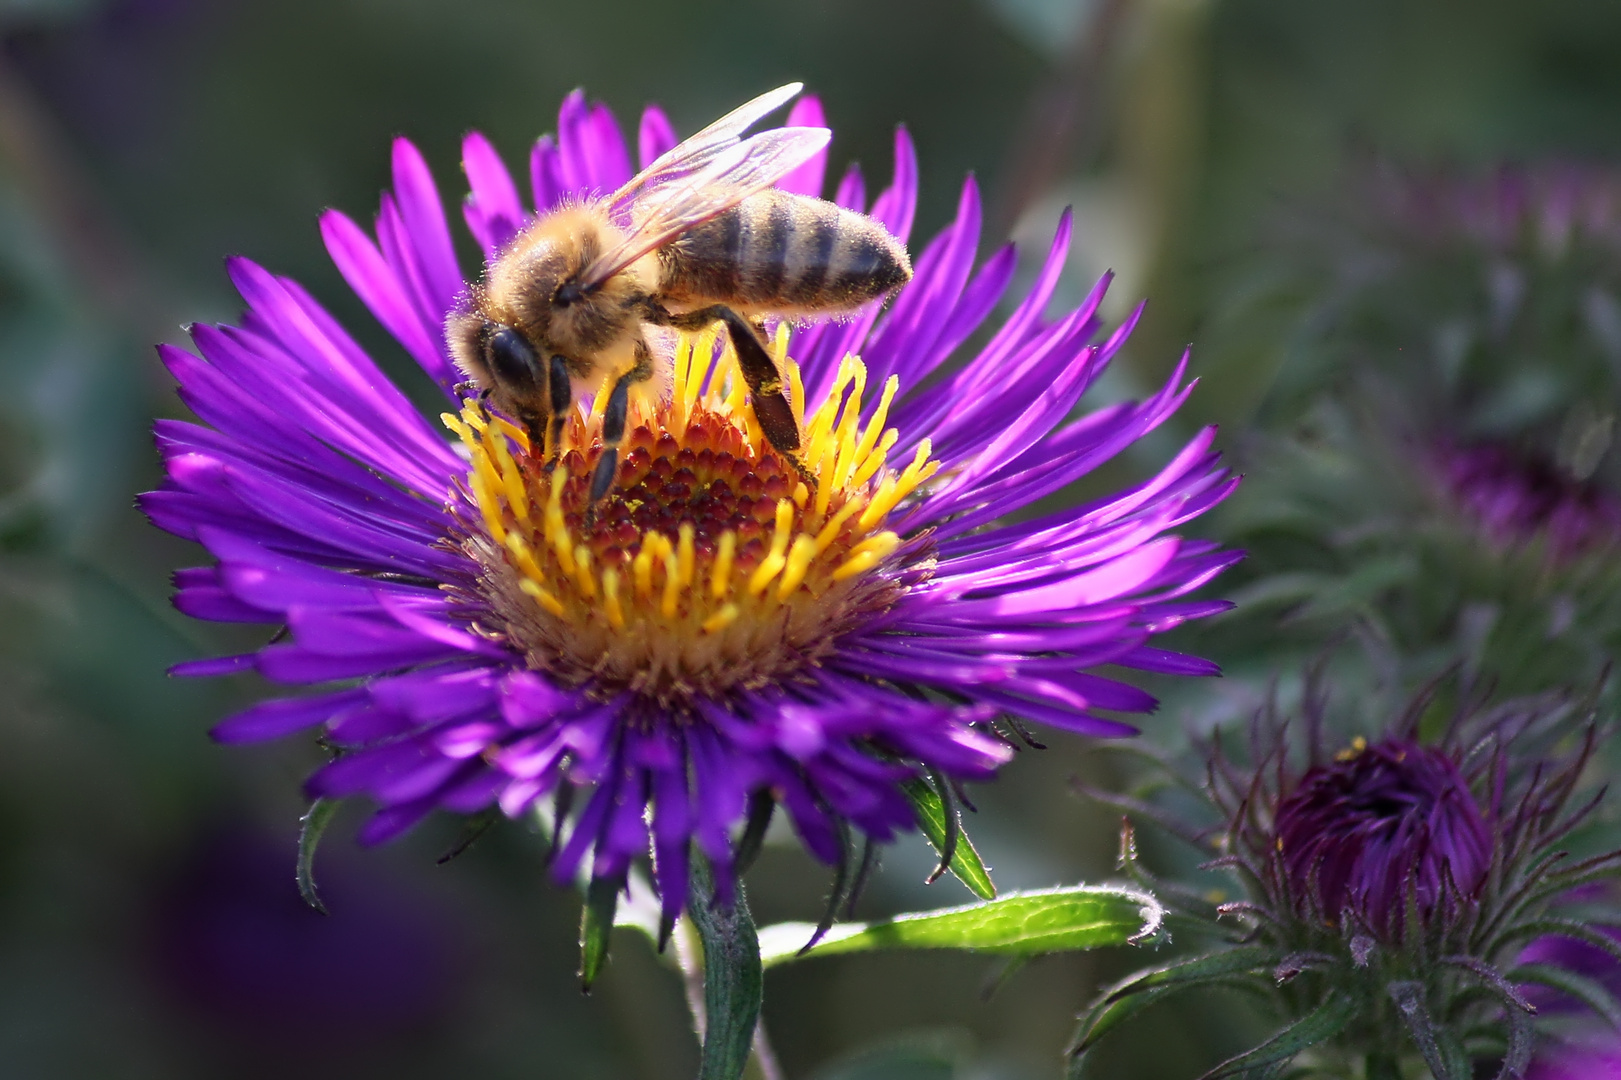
[(1441, 1051), (1322, 1023), (1107, 1016), (965, 864), (1235, 961), (1018, 924), (1590, 992), (472, 828), (1137, 992), (311, 826), (596, 927)]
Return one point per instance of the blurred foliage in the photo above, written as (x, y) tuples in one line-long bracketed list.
[(141, 917)]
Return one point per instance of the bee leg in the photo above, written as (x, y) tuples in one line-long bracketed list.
[(562, 396), (766, 391), (614, 415), (771, 406)]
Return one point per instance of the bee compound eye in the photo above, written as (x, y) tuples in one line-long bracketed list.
[(513, 361)]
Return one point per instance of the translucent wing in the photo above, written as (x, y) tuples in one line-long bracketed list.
[(731, 175), (693, 154)]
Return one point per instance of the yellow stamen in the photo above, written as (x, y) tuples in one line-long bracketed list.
[(543, 597), (867, 554), (720, 578), (799, 560), (524, 557), (686, 554), (582, 572), (672, 581), (642, 566), (796, 388), (514, 432), (610, 599), (774, 562), (875, 459), (719, 621), (488, 507), (681, 365), (830, 531), (511, 479)]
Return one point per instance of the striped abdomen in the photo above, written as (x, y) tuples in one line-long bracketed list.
[(785, 254)]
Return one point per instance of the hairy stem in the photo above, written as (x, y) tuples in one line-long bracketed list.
[(733, 979)]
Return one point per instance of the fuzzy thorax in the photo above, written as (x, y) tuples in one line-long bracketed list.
[(710, 566)]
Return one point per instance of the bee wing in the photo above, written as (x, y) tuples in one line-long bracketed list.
[(732, 175), (693, 154)]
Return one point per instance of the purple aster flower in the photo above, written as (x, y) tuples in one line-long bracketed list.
[(1380, 828), (1387, 893), (717, 636), (1515, 499)]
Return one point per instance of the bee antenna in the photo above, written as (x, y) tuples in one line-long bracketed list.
[(569, 293)]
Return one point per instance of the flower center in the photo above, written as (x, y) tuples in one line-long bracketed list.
[(710, 565)]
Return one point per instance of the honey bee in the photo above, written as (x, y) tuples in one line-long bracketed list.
[(698, 237)]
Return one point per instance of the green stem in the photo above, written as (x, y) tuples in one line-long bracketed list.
[(1382, 1065), (733, 978)]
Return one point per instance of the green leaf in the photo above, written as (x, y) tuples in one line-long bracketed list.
[(1324, 1022), (1018, 924), (966, 865), (596, 927), (314, 823)]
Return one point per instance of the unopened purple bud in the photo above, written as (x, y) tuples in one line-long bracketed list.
[(1382, 826)]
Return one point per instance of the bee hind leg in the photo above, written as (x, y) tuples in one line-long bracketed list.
[(772, 408), (614, 415)]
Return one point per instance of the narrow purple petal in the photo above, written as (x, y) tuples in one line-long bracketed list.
[(896, 205), (492, 209), (374, 281), (217, 665), (546, 181), (424, 216), (283, 716), (808, 178), (654, 136)]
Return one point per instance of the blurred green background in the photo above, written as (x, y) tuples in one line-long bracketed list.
[(148, 921)]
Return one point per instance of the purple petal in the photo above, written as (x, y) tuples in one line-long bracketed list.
[(373, 280), (897, 204), (424, 216), (492, 209), (546, 175), (654, 136), (283, 716), (217, 665), (807, 179), (392, 821)]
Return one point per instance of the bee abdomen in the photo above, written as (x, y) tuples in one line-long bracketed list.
[(780, 252)]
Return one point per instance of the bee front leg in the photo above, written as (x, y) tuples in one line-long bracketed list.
[(562, 396), (613, 421)]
